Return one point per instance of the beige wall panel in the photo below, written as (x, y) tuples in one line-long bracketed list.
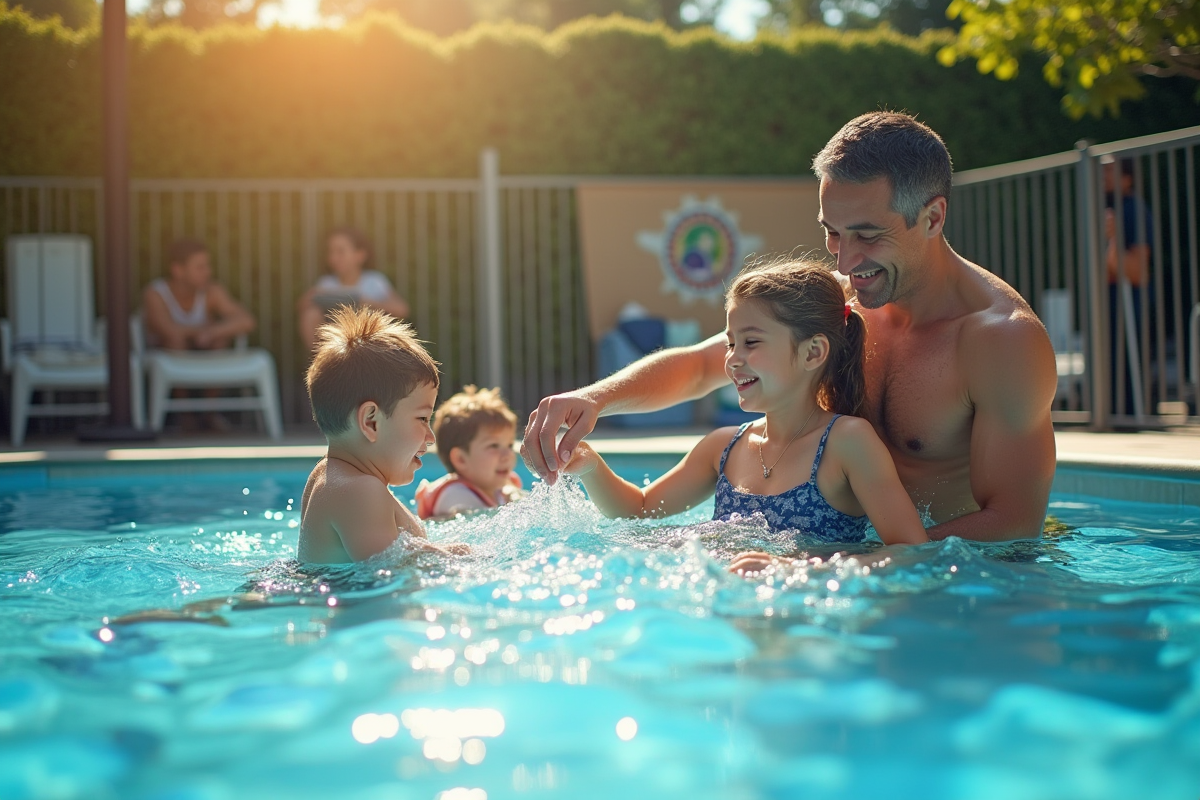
[(617, 269)]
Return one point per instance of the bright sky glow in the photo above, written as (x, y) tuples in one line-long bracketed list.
[(737, 19)]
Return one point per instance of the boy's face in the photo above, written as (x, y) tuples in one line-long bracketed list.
[(489, 459), (404, 436)]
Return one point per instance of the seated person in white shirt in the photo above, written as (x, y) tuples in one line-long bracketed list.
[(349, 282), (186, 310), (475, 431)]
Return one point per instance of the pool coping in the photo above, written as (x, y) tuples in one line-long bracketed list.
[(1171, 478)]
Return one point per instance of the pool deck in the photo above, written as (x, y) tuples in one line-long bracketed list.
[(1158, 467)]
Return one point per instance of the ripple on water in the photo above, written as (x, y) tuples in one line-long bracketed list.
[(835, 675)]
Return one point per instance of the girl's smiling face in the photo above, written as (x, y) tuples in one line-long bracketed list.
[(762, 359)]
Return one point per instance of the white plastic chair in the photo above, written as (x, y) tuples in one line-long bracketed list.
[(238, 367), (51, 340), (1057, 316)]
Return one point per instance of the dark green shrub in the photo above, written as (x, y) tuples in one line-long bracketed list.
[(611, 96)]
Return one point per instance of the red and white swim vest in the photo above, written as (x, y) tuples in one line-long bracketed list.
[(428, 494)]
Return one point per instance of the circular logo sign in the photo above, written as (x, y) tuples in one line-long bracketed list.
[(701, 249)]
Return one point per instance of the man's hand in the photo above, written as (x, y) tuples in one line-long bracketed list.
[(204, 337), (542, 452)]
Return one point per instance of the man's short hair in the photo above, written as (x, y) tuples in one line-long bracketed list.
[(460, 419), (363, 354), (887, 144), (182, 250)]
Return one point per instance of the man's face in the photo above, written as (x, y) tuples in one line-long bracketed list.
[(872, 243), (195, 272), (1110, 180)]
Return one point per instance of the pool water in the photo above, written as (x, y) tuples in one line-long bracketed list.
[(572, 656)]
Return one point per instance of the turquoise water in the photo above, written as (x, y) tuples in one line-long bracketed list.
[(578, 657)]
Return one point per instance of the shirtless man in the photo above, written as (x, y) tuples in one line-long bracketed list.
[(960, 373)]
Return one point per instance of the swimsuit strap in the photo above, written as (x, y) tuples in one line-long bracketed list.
[(821, 448), (732, 442)]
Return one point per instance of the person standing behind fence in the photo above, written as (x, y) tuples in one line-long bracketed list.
[(186, 310), (1126, 261), (349, 282)]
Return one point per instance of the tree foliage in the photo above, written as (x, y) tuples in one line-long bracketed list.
[(447, 17), (1097, 50), (911, 17), (200, 14), (604, 97), (73, 13)]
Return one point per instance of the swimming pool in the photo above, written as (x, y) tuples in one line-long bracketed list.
[(578, 657)]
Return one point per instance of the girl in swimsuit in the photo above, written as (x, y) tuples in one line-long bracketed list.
[(810, 464)]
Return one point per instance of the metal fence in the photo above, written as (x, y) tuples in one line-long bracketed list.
[(1066, 232), (490, 267)]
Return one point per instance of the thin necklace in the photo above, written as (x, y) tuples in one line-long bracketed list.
[(795, 436)]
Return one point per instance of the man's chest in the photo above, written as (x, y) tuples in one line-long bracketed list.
[(916, 394)]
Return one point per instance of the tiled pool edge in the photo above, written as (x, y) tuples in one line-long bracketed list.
[(1140, 480), (1125, 478)]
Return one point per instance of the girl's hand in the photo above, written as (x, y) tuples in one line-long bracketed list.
[(583, 460), (751, 564)]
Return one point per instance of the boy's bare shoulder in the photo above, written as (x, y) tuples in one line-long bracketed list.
[(343, 481)]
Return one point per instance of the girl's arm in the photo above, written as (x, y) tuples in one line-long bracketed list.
[(689, 482), (869, 468)]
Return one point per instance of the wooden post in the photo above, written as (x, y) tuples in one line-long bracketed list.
[(116, 210)]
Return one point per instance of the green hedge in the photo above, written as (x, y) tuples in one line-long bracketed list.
[(609, 96)]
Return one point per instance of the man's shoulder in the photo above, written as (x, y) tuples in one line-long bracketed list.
[(1003, 336), (1001, 314)]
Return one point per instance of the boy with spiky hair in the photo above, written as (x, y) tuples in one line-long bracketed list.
[(475, 431), (372, 387)]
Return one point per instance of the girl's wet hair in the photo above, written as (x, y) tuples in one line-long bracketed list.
[(806, 297)]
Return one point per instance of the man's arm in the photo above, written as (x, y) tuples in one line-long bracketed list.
[(1011, 379), (657, 381), (232, 317)]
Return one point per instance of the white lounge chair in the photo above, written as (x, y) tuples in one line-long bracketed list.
[(51, 340), (236, 368)]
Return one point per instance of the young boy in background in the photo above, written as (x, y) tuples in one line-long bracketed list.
[(475, 431), (372, 387)]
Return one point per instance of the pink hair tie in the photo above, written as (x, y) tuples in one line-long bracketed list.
[(847, 315)]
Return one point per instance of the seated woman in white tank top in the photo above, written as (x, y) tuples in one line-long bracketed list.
[(187, 311), (349, 283)]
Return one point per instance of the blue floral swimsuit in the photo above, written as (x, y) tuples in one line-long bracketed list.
[(801, 509)]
